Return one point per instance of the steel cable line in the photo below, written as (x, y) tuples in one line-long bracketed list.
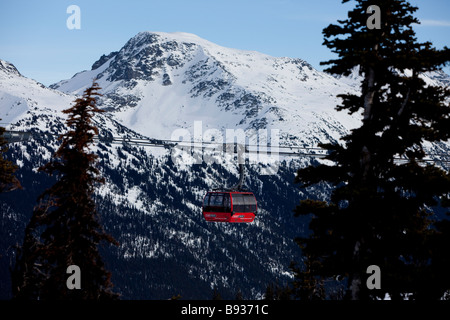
[(315, 152)]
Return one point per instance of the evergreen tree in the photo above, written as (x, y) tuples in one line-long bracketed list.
[(239, 295), (381, 211), (216, 294), (307, 285), (64, 229), (274, 291), (8, 181), (270, 292)]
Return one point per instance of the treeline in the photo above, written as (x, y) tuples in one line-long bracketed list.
[(378, 235)]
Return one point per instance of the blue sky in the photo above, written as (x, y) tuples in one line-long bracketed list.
[(35, 38)]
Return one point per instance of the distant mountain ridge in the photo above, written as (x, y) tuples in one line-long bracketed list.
[(154, 85), (180, 78), (151, 206)]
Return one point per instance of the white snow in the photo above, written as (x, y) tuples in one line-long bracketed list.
[(298, 99), (294, 98)]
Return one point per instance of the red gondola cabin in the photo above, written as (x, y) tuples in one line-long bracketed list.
[(229, 206)]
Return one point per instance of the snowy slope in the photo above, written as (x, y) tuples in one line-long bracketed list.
[(151, 206), (433, 78), (155, 84), (159, 82), (20, 95)]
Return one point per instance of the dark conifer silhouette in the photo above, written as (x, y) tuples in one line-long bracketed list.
[(239, 295), (307, 285), (380, 212), (64, 229), (8, 181), (216, 294), (275, 291)]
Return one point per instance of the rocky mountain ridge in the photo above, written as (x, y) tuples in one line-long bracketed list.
[(154, 86)]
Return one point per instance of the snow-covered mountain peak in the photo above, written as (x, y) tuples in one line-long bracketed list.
[(159, 82), (155, 84), (21, 97), (145, 55), (179, 37), (7, 68)]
